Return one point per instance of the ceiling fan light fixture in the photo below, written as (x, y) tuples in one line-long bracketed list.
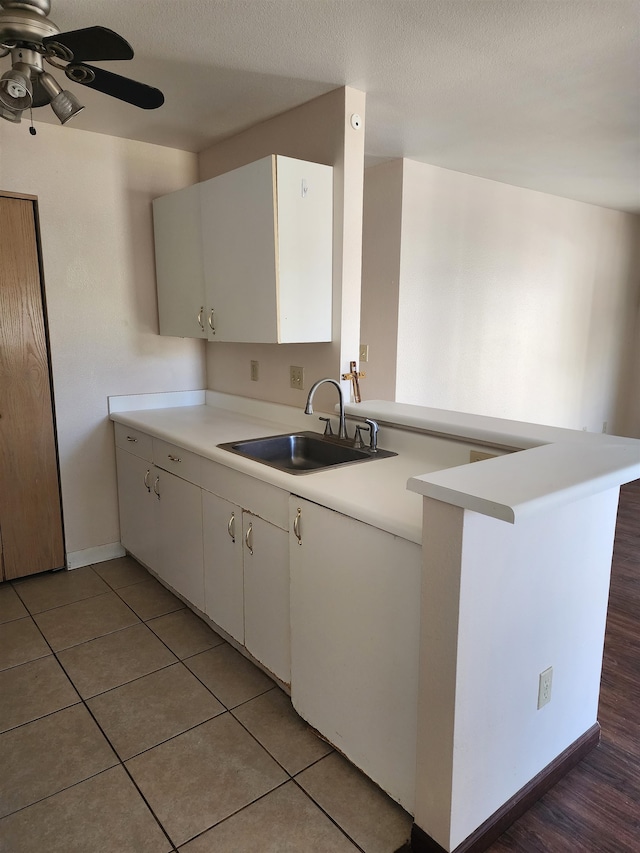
[(66, 106), (64, 103), (16, 91), (10, 114)]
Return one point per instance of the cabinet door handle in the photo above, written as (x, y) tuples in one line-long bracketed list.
[(231, 527), (210, 321), (296, 526), (155, 487), (131, 438), (248, 538), (200, 323), (146, 480), (174, 458)]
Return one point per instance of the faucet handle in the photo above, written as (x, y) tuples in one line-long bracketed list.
[(373, 429), (327, 426), (358, 441)]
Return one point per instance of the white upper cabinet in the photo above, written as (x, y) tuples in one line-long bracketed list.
[(179, 270), (260, 268)]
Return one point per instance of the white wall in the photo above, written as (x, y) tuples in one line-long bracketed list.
[(94, 198), (512, 302), (318, 131)]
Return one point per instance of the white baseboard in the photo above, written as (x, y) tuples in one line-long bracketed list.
[(77, 559)]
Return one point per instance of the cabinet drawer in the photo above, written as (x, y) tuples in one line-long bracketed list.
[(183, 463), (134, 441), (262, 499)]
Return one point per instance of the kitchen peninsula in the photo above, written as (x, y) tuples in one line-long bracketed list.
[(409, 621)]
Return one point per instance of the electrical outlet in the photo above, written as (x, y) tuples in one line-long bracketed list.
[(544, 687), (364, 352), (296, 377), (254, 370), (479, 455)]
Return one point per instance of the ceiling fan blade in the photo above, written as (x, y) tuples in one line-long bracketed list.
[(138, 94), (94, 43)]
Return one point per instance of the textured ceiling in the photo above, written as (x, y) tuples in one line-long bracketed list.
[(539, 93)]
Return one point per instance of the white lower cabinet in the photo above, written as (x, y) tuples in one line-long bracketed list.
[(246, 578), (179, 559), (137, 504), (326, 603), (230, 562), (223, 569), (161, 523), (355, 622), (267, 629)]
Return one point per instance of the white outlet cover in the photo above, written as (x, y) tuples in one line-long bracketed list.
[(544, 687)]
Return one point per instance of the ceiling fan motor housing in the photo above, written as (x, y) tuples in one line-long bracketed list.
[(20, 22), (41, 7)]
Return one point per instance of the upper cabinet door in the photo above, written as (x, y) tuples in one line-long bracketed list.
[(179, 272), (304, 250), (238, 244), (267, 248)]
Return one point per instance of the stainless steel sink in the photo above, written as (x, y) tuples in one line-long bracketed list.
[(302, 452)]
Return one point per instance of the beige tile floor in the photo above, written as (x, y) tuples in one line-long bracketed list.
[(128, 726)]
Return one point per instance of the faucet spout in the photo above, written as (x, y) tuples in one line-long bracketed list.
[(308, 409)]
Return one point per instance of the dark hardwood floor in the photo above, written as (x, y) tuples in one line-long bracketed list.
[(596, 807)]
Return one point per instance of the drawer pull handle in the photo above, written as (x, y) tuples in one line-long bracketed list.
[(231, 527), (174, 458), (131, 438), (210, 321), (155, 487), (248, 538), (146, 480), (200, 323), (296, 526)]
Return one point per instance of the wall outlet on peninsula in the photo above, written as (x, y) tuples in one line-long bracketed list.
[(544, 687)]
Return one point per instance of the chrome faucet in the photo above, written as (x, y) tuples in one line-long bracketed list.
[(308, 409)]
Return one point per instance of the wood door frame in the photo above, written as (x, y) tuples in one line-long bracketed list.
[(45, 317)]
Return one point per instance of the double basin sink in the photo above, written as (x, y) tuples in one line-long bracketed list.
[(303, 452)]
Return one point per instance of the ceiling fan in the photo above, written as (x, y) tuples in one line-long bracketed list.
[(31, 38)]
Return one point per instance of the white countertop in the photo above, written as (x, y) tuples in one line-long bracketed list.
[(556, 466), (373, 492)]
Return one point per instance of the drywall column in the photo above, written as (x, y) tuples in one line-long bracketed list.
[(381, 240), (319, 131), (500, 604)]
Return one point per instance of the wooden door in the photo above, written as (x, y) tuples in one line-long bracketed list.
[(30, 510)]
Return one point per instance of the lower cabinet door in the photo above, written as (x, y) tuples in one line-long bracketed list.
[(355, 632), (137, 504), (179, 531), (267, 628), (223, 571)]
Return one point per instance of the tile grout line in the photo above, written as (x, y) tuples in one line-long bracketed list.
[(133, 781), (117, 757), (323, 810), (227, 710), (122, 762)]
